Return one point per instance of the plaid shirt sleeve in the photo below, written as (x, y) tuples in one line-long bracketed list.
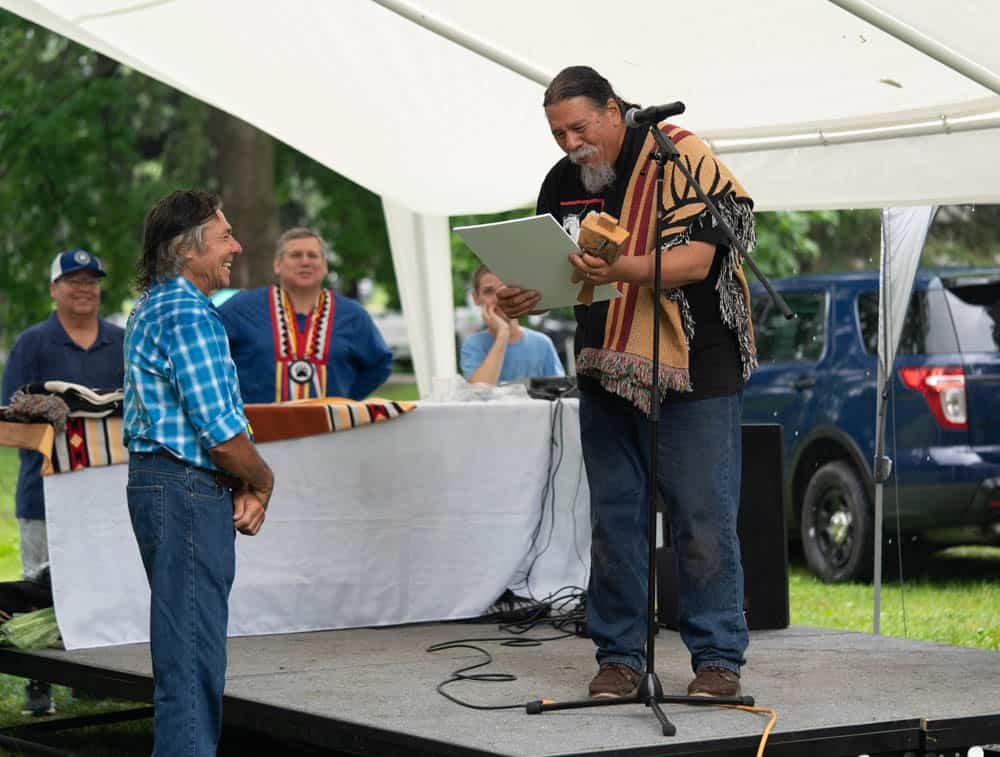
[(204, 378)]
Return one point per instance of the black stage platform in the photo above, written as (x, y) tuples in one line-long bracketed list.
[(372, 692)]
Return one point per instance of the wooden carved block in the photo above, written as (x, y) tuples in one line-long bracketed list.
[(600, 236)]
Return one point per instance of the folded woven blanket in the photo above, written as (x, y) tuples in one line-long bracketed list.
[(291, 420), (87, 442)]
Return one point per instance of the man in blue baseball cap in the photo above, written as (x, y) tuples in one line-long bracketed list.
[(75, 260), (73, 344)]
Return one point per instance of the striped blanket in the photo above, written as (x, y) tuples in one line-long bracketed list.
[(91, 442), (291, 420), (88, 443), (85, 442)]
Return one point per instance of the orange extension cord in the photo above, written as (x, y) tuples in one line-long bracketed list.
[(767, 728)]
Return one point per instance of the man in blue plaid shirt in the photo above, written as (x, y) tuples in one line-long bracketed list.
[(194, 473)]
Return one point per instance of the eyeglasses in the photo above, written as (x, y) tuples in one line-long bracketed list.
[(84, 282)]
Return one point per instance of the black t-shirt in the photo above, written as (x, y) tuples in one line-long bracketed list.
[(715, 366)]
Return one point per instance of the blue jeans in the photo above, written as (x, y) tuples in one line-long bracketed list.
[(183, 521), (698, 472)]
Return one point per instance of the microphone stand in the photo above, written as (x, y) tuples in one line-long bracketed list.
[(649, 691)]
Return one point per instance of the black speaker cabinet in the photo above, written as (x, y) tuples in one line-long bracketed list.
[(763, 540)]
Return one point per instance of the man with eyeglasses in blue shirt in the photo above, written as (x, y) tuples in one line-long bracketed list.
[(194, 472), (73, 344)]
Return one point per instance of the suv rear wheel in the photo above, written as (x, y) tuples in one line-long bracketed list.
[(837, 525)]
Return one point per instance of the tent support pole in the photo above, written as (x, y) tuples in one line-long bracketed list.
[(469, 42), (881, 469), (919, 41), (904, 231)]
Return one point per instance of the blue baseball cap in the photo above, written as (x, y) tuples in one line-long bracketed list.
[(76, 260)]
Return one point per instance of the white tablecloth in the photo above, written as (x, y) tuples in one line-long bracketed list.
[(427, 517)]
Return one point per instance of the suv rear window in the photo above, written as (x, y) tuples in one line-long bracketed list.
[(976, 310), (963, 318), (801, 339)]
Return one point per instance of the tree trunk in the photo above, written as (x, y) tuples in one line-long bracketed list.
[(244, 169)]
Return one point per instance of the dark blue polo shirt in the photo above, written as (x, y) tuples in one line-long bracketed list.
[(45, 352)]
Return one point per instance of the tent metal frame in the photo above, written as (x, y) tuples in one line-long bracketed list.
[(860, 131)]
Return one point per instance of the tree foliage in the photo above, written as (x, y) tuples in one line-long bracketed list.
[(87, 145), (785, 246), (964, 235), (349, 218), (74, 169)]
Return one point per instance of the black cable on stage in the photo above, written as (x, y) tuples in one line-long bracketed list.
[(460, 674), (550, 611), (564, 610), (547, 510)]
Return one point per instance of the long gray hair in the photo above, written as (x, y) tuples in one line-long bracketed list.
[(174, 224)]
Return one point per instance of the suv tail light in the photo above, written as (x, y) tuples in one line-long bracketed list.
[(944, 390)]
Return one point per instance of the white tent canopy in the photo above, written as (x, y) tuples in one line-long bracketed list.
[(811, 105)]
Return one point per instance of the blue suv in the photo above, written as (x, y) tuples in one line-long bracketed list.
[(817, 379)]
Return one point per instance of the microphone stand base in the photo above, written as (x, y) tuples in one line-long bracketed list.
[(648, 692)]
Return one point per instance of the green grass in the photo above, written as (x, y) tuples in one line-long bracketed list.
[(397, 392), (12, 697), (10, 560), (952, 597)]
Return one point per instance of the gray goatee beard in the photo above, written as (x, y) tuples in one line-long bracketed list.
[(596, 177)]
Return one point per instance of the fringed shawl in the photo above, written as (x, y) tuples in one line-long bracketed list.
[(624, 363)]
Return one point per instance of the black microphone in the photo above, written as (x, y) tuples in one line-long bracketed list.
[(636, 117)]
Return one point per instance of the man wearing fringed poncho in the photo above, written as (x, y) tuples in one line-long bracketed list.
[(706, 354)]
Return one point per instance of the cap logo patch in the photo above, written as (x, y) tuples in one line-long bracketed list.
[(81, 257)]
